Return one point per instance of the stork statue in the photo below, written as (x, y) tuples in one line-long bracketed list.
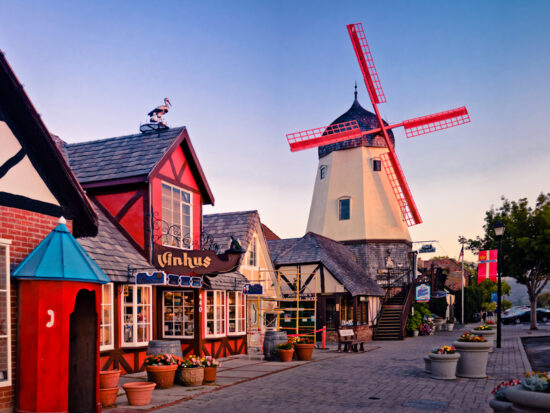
[(155, 116)]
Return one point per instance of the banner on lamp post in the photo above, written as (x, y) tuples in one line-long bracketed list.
[(487, 266)]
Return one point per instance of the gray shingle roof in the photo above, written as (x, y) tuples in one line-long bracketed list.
[(336, 257), (112, 252), (220, 227), (120, 157), (229, 281)]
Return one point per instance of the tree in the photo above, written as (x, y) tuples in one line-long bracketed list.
[(543, 300), (525, 243)]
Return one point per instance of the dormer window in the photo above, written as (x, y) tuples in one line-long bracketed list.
[(176, 217), (322, 172), (376, 165), (344, 209)]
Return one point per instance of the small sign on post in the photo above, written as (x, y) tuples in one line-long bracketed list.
[(423, 293)]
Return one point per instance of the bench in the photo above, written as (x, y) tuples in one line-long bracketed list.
[(348, 338)]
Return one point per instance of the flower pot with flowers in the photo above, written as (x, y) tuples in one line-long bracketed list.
[(161, 368), (533, 393), (303, 347), (487, 331), (443, 362), (427, 327), (210, 365), (500, 403), (474, 352), (285, 351), (190, 371)]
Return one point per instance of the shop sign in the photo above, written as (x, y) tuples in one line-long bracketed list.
[(423, 293), (160, 278), (197, 262), (157, 277), (253, 289)]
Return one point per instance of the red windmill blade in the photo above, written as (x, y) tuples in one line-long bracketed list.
[(435, 122), (312, 138)]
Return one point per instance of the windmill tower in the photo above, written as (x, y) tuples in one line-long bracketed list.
[(354, 201)]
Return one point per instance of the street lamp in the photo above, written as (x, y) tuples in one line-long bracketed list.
[(498, 227)]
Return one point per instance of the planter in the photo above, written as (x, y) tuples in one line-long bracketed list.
[(473, 359), (139, 393), (210, 374), (528, 401), (303, 351), (163, 376), (490, 336), (285, 355), (450, 326), (427, 364), (191, 376), (501, 406), (108, 379), (444, 365), (108, 396), (439, 324), (415, 333)]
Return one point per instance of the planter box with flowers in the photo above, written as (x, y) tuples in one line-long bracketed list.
[(285, 351), (500, 403), (488, 332), (532, 395), (190, 371), (303, 347), (474, 352), (210, 365), (161, 368), (443, 362)]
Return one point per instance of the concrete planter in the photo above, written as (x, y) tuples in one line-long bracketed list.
[(444, 366), (501, 406), (490, 336), (450, 326), (473, 359), (528, 401), (427, 364), (415, 333), (439, 324)]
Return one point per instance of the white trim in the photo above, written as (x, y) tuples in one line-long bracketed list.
[(216, 305), (180, 246), (112, 317), (6, 243), (134, 324), (240, 304), (183, 306)]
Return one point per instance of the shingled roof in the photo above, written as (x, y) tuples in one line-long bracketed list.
[(112, 252), (336, 257), (220, 227), (229, 281)]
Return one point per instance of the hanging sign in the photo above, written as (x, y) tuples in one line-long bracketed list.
[(494, 297), (487, 266), (423, 293), (157, 277), (253, 289), (160, 278)]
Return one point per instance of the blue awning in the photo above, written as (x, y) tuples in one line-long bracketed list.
[(59, 257)]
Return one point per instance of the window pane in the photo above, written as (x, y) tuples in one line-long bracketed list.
[(344, 209), (4, 359), (186, 197)]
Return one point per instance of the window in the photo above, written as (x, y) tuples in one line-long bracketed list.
[(5, 336), (236, 311), (362, 310), (178, 313), (176, 217), (344, 209), (376, 165), (215, 313), (136, 315), (106, 329), (253, 253), (346, 311), (323, 172)]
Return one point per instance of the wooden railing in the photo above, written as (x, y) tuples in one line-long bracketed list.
[(409, 294)]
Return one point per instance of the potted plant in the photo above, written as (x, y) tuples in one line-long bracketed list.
[(438, 322), (533, 393), (474, 352), (303, 346), (285, 351), (427, 327), (500, 403), (450, 324), (210, 365), (139, 393), (161, 368), (443, 362), (413, 323), (486, 331), (191, 371)]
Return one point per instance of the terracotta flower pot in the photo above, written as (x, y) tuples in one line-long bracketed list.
[(108, 379), (192, 376), (303, 351), (285, 355), (163, 376), (108, 396), (139, 393), (210, 374)]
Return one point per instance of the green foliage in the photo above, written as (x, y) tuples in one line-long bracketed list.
[(473, 298), (543, 300), (489, 306), (506, 304), (439, 306), (414, 321)]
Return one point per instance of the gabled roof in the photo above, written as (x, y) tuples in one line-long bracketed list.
[(228, 281), (113, 252), (17, 110), (220, 227), (59, 257), (268, 234), (105, 161), (336, 257)]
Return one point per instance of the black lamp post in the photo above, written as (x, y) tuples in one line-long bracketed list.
[(498, 227)]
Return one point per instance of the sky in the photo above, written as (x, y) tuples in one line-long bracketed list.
[(242, 74)]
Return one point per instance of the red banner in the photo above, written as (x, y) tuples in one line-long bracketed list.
[(487, 265)]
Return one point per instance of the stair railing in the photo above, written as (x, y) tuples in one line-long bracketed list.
[(401, 282), (409, 294)]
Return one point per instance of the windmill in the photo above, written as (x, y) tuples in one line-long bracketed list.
[(344, 131)]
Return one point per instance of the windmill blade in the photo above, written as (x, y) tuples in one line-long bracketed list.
[(364, 56), (312, 138), (400, 188), (435, 122)]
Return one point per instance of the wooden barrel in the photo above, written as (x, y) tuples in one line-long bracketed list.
[(272, 338), (164, 347)]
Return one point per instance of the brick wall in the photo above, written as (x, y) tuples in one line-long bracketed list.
[(25, 230)]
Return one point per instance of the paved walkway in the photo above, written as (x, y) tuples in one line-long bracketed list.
[(389, 378)]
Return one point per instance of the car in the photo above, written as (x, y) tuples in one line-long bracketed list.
[(524, 316)]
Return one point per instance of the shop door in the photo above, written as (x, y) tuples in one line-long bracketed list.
[(82, 353), (331, 315)]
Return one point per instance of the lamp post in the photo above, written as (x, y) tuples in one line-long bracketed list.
[(498, 227)]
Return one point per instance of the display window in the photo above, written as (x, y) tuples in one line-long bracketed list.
[(215, 314), (178, 314), (107, 327), (236, 313), (5, 348), (136, 315)]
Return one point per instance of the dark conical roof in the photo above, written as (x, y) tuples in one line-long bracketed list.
[(367, 121)]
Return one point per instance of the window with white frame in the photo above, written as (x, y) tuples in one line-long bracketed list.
[(136, 315), (236, 313), (177, 209), (106, 329), (215, 313), (253, 253), (178, 314), (5, 336)]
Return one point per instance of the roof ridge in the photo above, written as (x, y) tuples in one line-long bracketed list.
[(122, 137), (232, 213)]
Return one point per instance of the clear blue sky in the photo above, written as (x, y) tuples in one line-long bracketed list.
[(242, 74)]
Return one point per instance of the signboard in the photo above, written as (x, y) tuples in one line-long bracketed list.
[(423, 293), (160, 278), (157, 277), (487, 266), (426, 248), (494, 297), (439, 294), (253, 289)]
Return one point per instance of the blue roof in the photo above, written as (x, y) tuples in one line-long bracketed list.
[(59, 257)]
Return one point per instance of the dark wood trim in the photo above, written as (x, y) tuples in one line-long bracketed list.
[(198, 321), (376, 241), (308, 280), (322, 270), (182, 170), (28, 204), (10, 163), (173, 167), (115, 182), (129, 204)]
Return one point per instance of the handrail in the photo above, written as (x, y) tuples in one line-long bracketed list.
[(388, 295), (407, 308)]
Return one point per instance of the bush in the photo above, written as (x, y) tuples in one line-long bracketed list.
[(439, 306)]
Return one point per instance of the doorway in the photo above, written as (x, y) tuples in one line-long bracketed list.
[(82, 353)]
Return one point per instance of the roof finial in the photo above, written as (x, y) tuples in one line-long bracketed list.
[(355, 93), (62, 220)]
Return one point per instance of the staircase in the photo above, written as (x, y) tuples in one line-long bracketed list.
[(389, 324)]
